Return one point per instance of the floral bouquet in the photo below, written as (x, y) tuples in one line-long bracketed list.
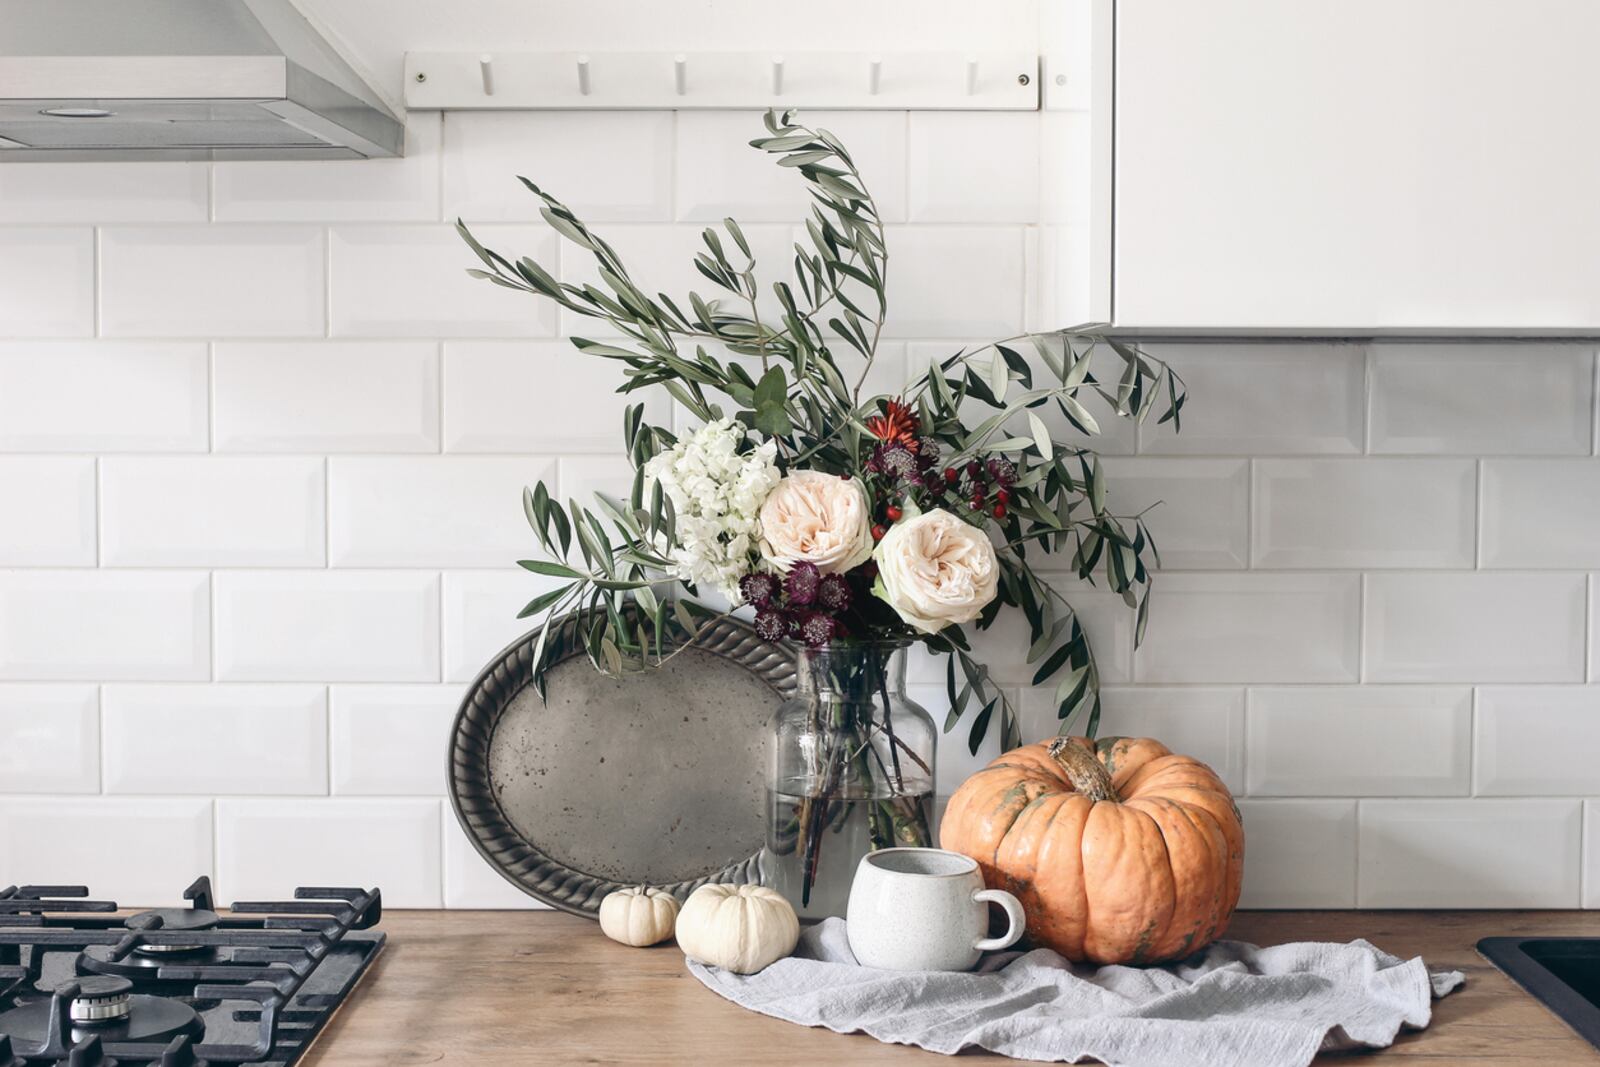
[(850, 526)]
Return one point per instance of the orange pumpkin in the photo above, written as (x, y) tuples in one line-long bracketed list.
[(1120, 851)]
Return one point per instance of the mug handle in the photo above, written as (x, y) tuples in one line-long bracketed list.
[(1014, 914)]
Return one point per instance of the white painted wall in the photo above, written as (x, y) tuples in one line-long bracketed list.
[(262, 440)]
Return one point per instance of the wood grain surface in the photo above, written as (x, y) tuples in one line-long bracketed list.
[(489, 988)]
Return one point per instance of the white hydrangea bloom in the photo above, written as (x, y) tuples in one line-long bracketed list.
[(717, 496)]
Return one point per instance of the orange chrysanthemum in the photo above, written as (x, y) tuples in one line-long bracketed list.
[(896, 426)]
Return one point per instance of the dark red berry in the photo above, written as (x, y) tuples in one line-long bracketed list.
[(974, 469), (951, 475), (878, 531), (976, 503), (999, 511), (1003, 495), (893, 512)]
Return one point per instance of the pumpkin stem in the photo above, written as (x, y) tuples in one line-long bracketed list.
[(1084, 770)]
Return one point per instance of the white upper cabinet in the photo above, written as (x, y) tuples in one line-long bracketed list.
[(1357, 165)]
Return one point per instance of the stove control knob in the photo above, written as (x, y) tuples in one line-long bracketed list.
[(101, 999)]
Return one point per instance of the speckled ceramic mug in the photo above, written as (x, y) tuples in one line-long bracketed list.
[(924, 909)]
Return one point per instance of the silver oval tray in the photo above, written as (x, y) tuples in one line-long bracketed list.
[(655, 778)]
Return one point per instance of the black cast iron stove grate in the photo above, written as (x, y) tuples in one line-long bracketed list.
[(176, 987)]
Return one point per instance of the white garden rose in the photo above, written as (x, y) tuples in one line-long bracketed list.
[(818, 518), (936, 570)]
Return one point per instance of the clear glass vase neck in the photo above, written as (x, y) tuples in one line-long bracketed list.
[(855, 670)]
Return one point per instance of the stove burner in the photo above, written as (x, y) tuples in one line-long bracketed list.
[(142, 967), (172, 920), (143, 1018), (256, 987), (102, 999)]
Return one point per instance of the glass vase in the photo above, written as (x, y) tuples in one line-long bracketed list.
[(851, 772)]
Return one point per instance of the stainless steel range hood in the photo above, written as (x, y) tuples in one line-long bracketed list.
[(180, 79)]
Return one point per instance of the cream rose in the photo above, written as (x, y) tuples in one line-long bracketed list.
[(819, 518), (936, 570)]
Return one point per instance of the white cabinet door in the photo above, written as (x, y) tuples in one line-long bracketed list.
[(1357, 164)]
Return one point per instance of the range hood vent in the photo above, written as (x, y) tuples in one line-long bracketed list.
[(180, 79)]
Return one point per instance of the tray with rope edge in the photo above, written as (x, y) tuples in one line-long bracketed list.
[(654, 778)]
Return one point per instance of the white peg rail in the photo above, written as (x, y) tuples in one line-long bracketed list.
[(954, 81)]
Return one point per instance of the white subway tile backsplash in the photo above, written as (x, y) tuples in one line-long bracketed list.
[(391, 739), (1470, 853), (1364, 513), (51, 736), (210, 511), (1299, 853), (1482, 399), (966, 166), (537, 396), (49, 516), (456, 511), (146, 849), (412, 281), (1107, 620), (403, 189), (327, 626), (1319, 741), (47, 281), (1541, 513), (953, 759), (955, 281), (103, 192), (1264, 399), (1064, 277), (393, 844), (104, 625), (1201, 722), (211, 281), (607, 166), (469, 881), (1218, 628), (215, 739), (1197, 510), (1537, 740), (1591, 854), (102, 396), (1474, 627), (582, 477), (480, 616), (327, 396), (719, 175), (1065, 140)]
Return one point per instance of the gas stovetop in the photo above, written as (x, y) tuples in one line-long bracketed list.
[(176, 987)]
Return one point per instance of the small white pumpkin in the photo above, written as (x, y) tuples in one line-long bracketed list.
[(740, 928), (638, 916)]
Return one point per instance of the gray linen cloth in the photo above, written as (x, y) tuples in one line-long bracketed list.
[(1231, 1005)]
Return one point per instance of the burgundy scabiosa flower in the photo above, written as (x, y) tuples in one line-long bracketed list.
[(1003, 471), (817, 629), (833, 593), (896, 461), (758, 590), (771, 626), (801, 584)]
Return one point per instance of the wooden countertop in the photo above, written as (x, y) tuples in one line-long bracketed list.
[(487, 988)]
